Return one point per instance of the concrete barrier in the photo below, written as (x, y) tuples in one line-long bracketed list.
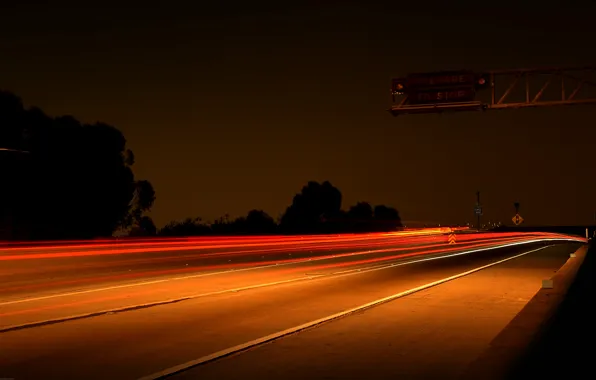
[(527, 326)]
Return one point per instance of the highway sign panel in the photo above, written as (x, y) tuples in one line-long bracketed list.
[(442, 96), (478, 210), (517, 219), (451, 239), (440, 79), (437, 92)]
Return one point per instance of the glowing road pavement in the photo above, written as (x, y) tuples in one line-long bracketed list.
[(131, 308)]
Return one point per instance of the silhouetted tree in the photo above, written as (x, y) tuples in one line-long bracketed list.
[(359, 218), (147, 226), (256, 222), (143, 199), (383, 212), (76, 181), (316, 209), (13, 119), (187, 227), (388, 218), (144, 227), (225, 226), (15, 187), (311, 207), (259, 222), (361, 211)]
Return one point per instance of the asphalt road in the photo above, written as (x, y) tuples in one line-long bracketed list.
[(28, 271), (435, 333), (54, 283), (135, 343)]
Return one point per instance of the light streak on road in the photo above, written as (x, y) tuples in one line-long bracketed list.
[(261, 263), (476, 248), (217, 240), (397, 246), (307, 249), (331, 242), (40, 291)]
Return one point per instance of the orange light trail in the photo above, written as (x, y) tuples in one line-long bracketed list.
[(230, 266), (204, 268), (433, 247), (408, 255), (332, 244), (271, 239), (225, 244)]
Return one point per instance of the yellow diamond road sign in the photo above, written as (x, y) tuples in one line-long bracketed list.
[(517, 219)]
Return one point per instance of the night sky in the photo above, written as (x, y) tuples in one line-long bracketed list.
[(237, 105)]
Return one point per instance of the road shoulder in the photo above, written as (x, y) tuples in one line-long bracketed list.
[(528, 327), (563, 350)]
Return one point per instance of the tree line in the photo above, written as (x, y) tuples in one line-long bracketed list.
[(64, 179), (316, 209)]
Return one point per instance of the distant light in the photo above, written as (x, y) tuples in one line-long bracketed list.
[(13, 150), (481, 81)]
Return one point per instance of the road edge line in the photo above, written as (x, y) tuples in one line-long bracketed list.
[(293, 330)]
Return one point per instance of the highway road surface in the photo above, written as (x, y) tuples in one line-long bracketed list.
[(136, 308), (432, 334)]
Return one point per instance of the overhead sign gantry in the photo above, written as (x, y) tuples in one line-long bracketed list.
[(464, 90)]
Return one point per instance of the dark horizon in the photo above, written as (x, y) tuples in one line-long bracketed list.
[(228, 112)]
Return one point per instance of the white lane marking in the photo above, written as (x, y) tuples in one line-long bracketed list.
[(142, 283), (146, 305), (382, 266), (257, 342)]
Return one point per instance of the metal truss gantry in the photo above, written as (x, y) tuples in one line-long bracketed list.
[(519, 88)]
